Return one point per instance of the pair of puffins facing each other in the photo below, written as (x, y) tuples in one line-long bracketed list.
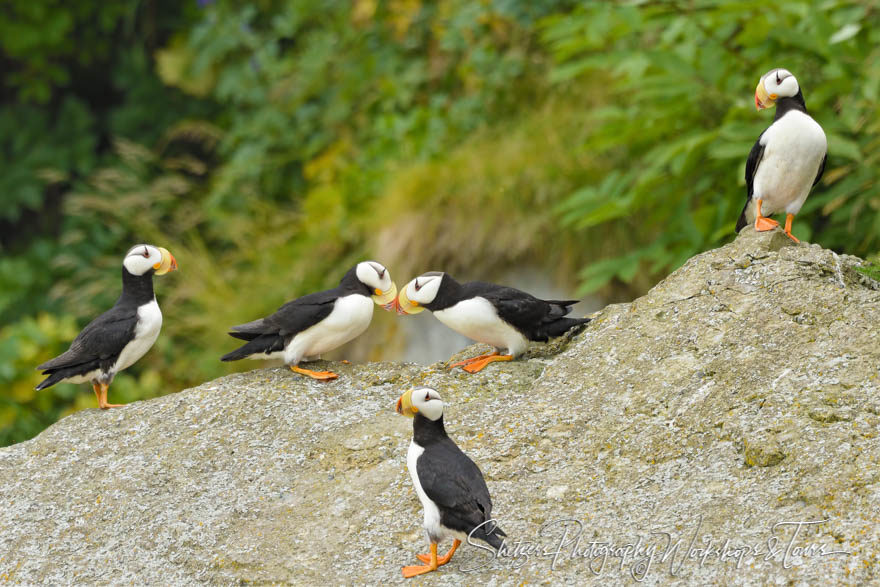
[(503, 317)]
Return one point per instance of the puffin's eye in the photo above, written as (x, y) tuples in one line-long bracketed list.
[(418, 287), (778, 81), (146, 253), (428, 396)]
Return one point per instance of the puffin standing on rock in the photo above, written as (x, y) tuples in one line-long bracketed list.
[(317, 323), (503, 317), (116, 339), (449, 484), (788, 158)]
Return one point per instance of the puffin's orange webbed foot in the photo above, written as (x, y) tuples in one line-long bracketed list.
[(101, 390), (319, 375), (426, 558), (472, 360), (762, 223), (432, 565), (481, 364)]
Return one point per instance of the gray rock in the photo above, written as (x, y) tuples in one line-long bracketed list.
[(740, 393)]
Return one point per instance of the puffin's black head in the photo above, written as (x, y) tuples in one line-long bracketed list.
[(377, 282), (142, 259), (775, 85), (419, 292), (422, 400)]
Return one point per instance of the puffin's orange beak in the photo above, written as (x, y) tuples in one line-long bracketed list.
[(167, 263)]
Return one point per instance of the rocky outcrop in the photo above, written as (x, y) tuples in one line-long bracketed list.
[(720, 429)]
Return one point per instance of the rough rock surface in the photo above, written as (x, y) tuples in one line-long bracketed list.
[(741, 392)]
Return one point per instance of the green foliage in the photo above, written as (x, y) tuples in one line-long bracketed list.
[(680, 120)]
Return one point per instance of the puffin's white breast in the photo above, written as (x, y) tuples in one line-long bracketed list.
[(476, 318), (794, 147), (432, 513), (146, 332), (350, 316)]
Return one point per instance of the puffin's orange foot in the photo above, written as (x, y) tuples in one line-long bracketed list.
[(426, 558), (762, 223), (101, 390), (417, 570), (319, 375), (788, 219), (481, 364), (472, 360), (432, 561)]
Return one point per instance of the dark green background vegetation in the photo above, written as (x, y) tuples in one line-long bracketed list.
[(270, 145)]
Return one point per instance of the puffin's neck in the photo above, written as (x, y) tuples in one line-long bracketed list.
[(350, 284), (137, 290), (448, 294), (786, 105), (427, 431)]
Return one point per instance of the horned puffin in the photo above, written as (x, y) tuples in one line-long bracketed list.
[(788, 158), (449, 484), (503, 317), (317, 323), (116, 339)]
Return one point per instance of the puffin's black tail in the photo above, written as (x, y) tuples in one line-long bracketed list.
[(555, 323), (266, 343), (62, 371), (491, 534), (743, 218), (51, 380)]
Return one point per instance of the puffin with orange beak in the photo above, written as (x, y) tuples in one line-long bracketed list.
[(116, 339), (503, 317), (317, 323), (449, 484), (788, 158)]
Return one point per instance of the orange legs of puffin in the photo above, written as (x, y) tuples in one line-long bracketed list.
[(101, 392), (472, 360), (426, 558), (475, 364), (432, 565), (763, 223), (319, 375), (788, 219), (479, 363)]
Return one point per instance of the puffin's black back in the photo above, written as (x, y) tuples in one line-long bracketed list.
[(454, 482), (273, 333), (536, 319), (100, 342)]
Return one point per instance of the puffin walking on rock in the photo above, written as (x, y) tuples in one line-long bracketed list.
[(503, 317), (449, 484), (317, 323), (116, 339), (788, 158)]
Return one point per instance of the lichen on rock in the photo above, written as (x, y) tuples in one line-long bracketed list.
[(739, 393)]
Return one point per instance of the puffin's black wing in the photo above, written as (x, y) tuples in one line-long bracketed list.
[(537, 319), (821, 169), (271, 334), (755, 156), (97, 346), (454, 482)]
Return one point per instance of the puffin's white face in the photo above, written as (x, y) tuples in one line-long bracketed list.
[(142, 258), (775, 84), (377, 278), (422, 400), (418, 292)]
